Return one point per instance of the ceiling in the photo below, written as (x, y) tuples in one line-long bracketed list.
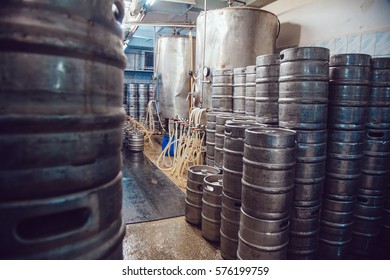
[(147, 20)]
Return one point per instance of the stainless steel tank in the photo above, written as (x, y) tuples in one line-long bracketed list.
[(234, 37), (173, 64)]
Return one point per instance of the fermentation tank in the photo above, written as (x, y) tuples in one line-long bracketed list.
[(234, 37), (174, 56)]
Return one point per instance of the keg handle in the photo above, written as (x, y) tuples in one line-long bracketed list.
[(375, 135), (54, 225), (284, 224), (118, 11)]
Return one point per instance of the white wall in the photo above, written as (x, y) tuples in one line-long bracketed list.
[(340, 25)]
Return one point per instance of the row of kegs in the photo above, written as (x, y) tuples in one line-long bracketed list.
[(309, 181), (135, 99)]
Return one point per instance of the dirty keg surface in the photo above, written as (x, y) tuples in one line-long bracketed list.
[(148, 194)]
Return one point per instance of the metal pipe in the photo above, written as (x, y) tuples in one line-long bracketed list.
[(155, 48), (160, 23), (191, 80), (204, 49)]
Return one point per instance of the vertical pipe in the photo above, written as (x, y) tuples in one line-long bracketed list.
[(204, 48), (191, 80)]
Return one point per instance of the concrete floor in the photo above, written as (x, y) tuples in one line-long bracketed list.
[(168, 239)]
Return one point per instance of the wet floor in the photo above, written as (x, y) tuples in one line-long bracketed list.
[(166, 239)]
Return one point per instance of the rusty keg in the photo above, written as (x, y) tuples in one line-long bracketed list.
[(250, 90), (303, 88), (221, 119), (233, 153), (61, 122), (211, 207), (267, 88), (230, 224), (379, 100), (262, 239), (268, 172), (210, 137), (194, 191), (222, 90), (304, 232), (239, 90)]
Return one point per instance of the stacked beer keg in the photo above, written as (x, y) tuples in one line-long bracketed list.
[(210, 137), (250, 90), (348, 97), (379, 106), (222, 91), (125, 98), (372, 189), (194, 192), (267, 192), (267, 89), (231, 194), (143, 99), (211, 207), (239, 90), (132, 99), (303, 95), (221, 119)]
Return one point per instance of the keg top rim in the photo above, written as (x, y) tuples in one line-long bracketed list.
[(213, 180), (270, 130), (199, 169), (238, 8)]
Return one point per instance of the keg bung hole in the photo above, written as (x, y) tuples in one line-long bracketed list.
[(118, 11), (200, 187), (282, 56), (375, 134), (53, 225)]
